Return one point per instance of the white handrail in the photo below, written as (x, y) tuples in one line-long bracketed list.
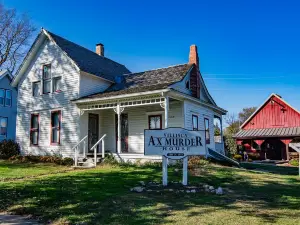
[(79, 142), (95, 149)]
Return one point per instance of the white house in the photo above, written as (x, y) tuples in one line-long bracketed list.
[(70, 96), (8, 106)]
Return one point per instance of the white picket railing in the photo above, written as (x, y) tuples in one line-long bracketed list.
[(76, 148), (94, 148)]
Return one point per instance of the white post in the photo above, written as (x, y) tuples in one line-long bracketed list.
[(185, 171), (165, 159), (119, 127), (95, 156), (76, 157), (84, 154), (103, 151)]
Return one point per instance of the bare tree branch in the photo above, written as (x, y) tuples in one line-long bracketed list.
[(15, 32)]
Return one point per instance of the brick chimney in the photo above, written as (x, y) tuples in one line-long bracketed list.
[(193, 58), (100, 49)]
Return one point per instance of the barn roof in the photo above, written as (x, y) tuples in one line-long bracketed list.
[(265, 102), (268, 132)]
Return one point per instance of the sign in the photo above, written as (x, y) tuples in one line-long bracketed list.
[(174, 143)]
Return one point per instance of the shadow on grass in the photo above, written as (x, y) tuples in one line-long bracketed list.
[(102, 196)]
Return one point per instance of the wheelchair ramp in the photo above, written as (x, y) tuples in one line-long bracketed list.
[(221, 158)]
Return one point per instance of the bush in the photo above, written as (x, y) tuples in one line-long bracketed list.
[(254, 155), (237, 157), (294, 162), (197, 161), (43, 159), (9, 148)]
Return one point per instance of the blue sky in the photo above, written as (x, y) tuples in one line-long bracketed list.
[(247, 49)]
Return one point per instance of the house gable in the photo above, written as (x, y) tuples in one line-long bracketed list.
[(274, 113)]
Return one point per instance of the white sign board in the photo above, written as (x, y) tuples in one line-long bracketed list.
[(174, 143)]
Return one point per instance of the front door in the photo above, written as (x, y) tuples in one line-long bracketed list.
[(124, 132), (93, 130)]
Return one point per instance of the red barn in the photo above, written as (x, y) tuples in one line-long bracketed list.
[(273, 130)]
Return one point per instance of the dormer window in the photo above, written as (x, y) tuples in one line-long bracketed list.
[(46, 79), (187, 84)]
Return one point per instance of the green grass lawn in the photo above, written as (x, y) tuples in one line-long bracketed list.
[(102, 196), (12, 171)]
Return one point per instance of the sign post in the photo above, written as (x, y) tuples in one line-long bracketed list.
[(174, 143)]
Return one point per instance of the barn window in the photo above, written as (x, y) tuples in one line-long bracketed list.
[(34, 129), (55, 127), (155, 122), (195, 122), (207, 136)]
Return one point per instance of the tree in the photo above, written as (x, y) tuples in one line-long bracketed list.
[(15, 33), (232, 128), (246, 113)]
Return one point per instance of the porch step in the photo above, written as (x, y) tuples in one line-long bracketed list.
[(86, 162)]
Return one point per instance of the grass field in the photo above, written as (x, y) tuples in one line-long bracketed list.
[(102, 196)]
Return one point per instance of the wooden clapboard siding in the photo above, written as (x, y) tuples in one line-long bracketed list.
[(44, 104), (274, 113)]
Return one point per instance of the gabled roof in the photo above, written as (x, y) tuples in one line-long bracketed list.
[(4, 73), (84, 59), (89, 61), (265, 102), (145, 81)]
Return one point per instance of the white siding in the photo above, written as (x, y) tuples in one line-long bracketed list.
[(90, 84), (137, 123), (202, 112), (44, 104)]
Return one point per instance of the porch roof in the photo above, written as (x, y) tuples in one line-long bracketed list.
[(268, 132), (144, 81)]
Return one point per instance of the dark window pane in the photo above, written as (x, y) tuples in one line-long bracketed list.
[(35, 122), (8, 98), (2, 94), (46, 72), (195, 122), (55, 119), (55, 122), (207, 136), (3, 126), (55, 135), (46, 86), (34, 137), (36, 89), (57, 84)]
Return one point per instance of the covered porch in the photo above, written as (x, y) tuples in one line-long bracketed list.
[(123, 122)]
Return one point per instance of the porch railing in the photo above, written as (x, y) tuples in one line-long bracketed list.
[(94, 148), (76, 148)]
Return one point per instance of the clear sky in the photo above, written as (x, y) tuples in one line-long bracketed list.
[(247, 49)]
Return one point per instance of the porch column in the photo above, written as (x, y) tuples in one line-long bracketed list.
[(119, 128), (287, 142), (165, 159)]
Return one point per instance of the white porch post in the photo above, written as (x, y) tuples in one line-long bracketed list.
[(165, 159), (119, 128)]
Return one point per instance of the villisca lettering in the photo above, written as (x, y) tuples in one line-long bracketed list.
[(175, 141)]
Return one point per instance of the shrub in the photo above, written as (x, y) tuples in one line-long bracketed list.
[(9, 148), (67, 161), (43, 159), (237, 157), (197, 161), (294, 162), (254, 155)]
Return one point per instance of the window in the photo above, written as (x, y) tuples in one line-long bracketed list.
[(8, 98), (46, 79), (217, 129), (56, 84), (187, 84), (3, 127), (34, 129), (195, 122), (155, 122), (36, 89), (2, 96), (207, 136), (55, 127)]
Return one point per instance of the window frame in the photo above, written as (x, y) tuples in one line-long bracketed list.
[(207, 130), (4, 97), (35, 129), (2, 117), (59, 127), (56, 78), (48, 79), (195, 116), (149, 119)]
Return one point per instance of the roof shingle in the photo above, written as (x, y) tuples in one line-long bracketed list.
[(268, 132)]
